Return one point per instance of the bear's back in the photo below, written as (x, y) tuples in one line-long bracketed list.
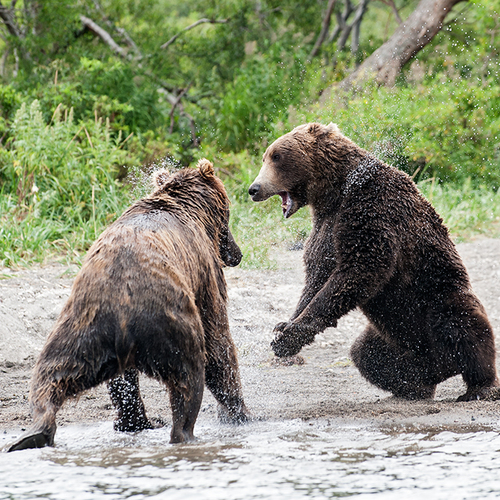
[(146, 260), (382, 199)]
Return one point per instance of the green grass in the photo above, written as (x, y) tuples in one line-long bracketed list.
[(58, 186), (29, 236), (468, 211)]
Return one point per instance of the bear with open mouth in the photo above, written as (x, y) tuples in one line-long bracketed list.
[(378, 245)]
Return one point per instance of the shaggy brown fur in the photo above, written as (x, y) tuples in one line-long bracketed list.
[(150, 296), (377, 244)]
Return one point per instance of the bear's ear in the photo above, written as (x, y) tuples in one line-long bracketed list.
[(206, 168), (318, 129), (315, 128), (333, 128), (160, 178)]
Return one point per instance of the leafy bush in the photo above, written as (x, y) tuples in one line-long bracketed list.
[(447, 128), (106, 88), (59, 184), (263, 89), (467, 210)]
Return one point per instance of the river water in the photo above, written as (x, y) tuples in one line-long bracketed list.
[(263, 460)]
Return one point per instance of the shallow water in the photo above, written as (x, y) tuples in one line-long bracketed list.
[(267, 460)]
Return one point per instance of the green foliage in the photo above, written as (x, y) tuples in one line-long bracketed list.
[(260, 94), (10, 100), (467, 210), (445, 128), (107, 88), (239, 81), (59, 186)]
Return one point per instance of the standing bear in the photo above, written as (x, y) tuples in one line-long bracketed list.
[(377, 244), (150, 297)]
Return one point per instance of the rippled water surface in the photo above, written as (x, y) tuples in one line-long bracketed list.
[(271, 460)]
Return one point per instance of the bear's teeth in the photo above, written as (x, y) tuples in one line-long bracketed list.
[(286, 201), (284, 198)]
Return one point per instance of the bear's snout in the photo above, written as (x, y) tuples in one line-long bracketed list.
[(253, 190)]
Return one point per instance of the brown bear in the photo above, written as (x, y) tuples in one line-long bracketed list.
[(377, 244), (150, 297)]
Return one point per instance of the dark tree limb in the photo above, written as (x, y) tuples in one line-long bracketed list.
[(408, 39), (174, 106), (324, 29), (190, 27), (344, 28), (3, 62), (103, 35), (176, 103), (194, 138), (392, 5), (7, 16), (356, 25)]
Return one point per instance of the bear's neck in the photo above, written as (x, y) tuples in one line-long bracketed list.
[(326, 193)]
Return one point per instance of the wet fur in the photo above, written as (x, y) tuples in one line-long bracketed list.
[(377, 244), (151, 296)]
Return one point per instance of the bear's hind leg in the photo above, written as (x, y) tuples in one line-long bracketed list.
[(186, 403), (126, 398), (477, 354), (41, 432), (61, 372), (391, 369), (223, 380), (46, 397)]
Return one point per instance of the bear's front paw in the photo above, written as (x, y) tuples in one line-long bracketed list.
[(281, 326), (290, 338)]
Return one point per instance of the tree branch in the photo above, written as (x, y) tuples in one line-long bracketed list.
[(345, 29), (190, 27), (392, 5), (129, 41), (7, 16), (176, 102), (103, 35), (174, 105), (410, 37), (324, 29), (123, 33), (356, 24)]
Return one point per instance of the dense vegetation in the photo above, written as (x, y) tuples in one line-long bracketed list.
[(82, 122)]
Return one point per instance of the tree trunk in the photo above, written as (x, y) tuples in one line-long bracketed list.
[(356, 25), (7, 16), (409, 38), (324, 29)]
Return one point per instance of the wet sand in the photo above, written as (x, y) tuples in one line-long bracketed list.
[(326, 386)]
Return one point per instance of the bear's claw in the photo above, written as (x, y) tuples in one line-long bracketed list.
[(37, 440), (491, 393), (290, 338)]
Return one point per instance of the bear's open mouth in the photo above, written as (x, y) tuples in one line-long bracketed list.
[(286, 202)]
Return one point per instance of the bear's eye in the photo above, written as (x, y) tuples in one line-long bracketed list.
[(276, 157)]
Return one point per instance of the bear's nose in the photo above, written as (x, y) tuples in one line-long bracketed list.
[(253, 189)]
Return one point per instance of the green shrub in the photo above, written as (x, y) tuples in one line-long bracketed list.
[(59, 186), (467, 210), (446, 128), (263, 89), (106, 88)]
